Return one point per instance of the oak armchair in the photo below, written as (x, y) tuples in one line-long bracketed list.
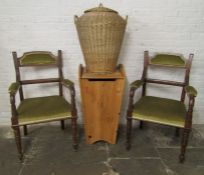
[(163, 111), (41, 109)]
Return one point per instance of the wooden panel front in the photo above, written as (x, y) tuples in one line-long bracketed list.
[(101, 100)]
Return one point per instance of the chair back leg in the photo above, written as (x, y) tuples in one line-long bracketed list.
[(141, 124), (25, 130), (62, 124)]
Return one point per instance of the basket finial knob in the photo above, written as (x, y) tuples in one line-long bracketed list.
[(126, 18), (75, 18), (100, 5)]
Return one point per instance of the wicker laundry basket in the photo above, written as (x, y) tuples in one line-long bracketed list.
[(100, 32)]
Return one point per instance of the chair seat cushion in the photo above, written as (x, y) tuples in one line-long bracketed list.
[(42, 109), (160, 110)]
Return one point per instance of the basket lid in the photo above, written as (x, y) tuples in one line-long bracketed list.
[(100, 8)]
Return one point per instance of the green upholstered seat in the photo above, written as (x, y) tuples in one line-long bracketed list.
[(33, 110), (160, 110), (37, 58), (168, 60)]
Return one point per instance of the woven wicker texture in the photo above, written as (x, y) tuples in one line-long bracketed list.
[(100, 32)]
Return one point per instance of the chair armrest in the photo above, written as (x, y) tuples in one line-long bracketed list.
[(191, 91), (13, 88), (70, 85), (67, 83), (133, 86), (136, 84)]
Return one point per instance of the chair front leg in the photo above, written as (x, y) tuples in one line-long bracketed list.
[(129, 119), (74, 119), (141, 124), (17, 135), (187, 129), (15, 126), (128, 133), (74, 132), (184, 143)]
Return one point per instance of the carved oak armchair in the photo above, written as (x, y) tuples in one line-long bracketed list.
[(41, 109), (163, 111)]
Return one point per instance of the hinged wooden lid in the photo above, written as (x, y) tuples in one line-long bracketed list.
[(118, 74)]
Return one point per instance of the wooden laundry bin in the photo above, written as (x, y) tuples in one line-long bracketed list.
[(101, 102)]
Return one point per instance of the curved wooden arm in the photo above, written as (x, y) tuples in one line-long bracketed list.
[(192, 93), (13, 88), (130, 103), (14, 118), (133, 87), (73, 103), (189, 115), (136, 84), (67, 83), (70, 85)]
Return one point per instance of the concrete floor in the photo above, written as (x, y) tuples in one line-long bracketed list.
[(48, 151)]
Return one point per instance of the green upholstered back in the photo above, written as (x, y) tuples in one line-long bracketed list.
[(168, 60), (38, 58)]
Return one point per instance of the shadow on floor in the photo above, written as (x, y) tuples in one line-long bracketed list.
[(48, 151)]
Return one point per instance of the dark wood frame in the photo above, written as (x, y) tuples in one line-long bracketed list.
[(188, 121), (60, 79)]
